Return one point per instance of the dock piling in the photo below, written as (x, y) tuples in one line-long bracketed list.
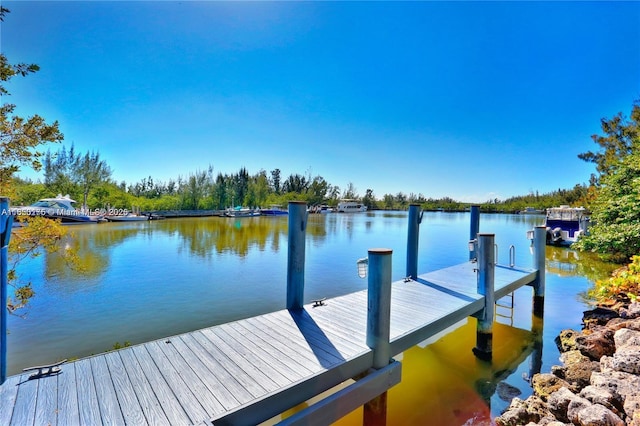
[(379, 306), (539, 257), (296, 257), (415, 218), (486, 281), (6, 221), (474, 229), (378, 327)]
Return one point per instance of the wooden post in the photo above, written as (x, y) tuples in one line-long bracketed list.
[(486, 278), (539, 257), (6, 221), (474, 229), (295, 260), (415, 218), (378, 327)]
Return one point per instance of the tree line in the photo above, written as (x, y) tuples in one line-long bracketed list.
[(86, 177)]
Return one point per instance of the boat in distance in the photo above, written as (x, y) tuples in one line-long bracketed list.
[(239, 211), (129, 217), (59, 207), (274, 210), (531, 210), (350, 206)]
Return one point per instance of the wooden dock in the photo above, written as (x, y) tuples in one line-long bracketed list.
[(250, 370)]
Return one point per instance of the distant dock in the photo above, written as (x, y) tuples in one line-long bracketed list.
[(248, 371)]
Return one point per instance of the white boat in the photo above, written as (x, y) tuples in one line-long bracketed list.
[(320, 209), (130, 217), (351, 206), (566, 224), (239, 211), (531, 210), (59, 207)]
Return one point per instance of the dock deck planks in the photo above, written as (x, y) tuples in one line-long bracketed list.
[(250, 369)]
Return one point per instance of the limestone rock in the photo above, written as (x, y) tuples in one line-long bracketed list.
[(576, 405), (532, 410), (626, 336), (544, 384), (598, 316), (602, 397), (633, 311), (566, 340), (597, 415), (558, 403), (627, 360), (620, 384), (577, 375), (573, 357), (596, 344)]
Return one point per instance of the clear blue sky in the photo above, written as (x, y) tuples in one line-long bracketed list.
[(464, 99)]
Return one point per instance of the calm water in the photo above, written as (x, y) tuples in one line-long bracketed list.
[(143, 281)]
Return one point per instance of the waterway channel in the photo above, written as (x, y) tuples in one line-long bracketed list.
[(149, 280)]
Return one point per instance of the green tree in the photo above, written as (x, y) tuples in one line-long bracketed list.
[(616, 212), (617, 141), (616, 207), (275, 180), (369, 200), (350, 193), (317, 191), (89, 171), (21, 141)]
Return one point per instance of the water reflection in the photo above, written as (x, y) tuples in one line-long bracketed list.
[(566, 262)]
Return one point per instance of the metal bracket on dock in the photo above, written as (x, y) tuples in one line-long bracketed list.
[(319, 302), (45, 370)]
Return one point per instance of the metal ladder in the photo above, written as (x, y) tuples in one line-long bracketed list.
[(503, 307)]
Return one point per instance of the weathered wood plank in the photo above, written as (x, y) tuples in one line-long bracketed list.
[(168, 401), (198, 369), (310, 365), (8, 395), (322, 349), (287, 366), (348, 313), (132, 412), (24, 410), (153, 412), (308, 321), (68, 410), (255, 387), (181, 391), (46, 408), (107, 399), (216, 372), (87, 396), (204, 395), (287, 332), (251, 351)]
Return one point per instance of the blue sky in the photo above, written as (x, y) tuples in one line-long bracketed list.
[(470, 100)]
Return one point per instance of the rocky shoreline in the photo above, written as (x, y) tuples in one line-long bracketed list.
[(599, 381)]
